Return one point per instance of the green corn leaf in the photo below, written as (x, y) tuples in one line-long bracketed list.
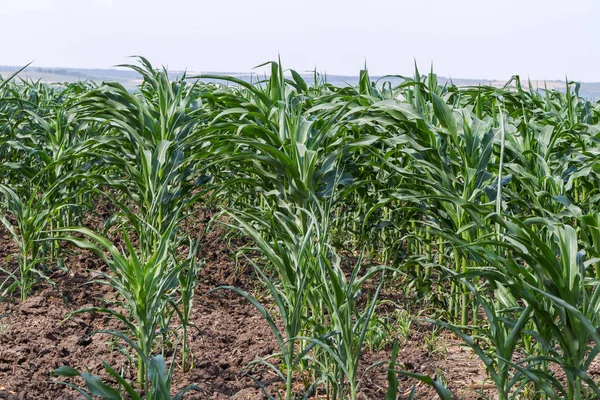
[(444, 115), (99, 388)]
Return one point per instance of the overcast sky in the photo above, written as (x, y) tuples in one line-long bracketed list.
[(542, 39)]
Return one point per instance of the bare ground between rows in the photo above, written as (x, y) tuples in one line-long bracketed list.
[(35, 338)]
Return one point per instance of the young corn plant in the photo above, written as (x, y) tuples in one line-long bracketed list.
[(152, 149), (539, 274), (28, 223), (182, 303), (146, 284), (564, 300), (499, 341), (28, 213), (279, 146), (346, 324), (292, 256)]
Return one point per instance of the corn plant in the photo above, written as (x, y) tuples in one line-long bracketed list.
[(347, 326), (504, 332), (562, 297), (551, 300), (30, 219), (292, 257), (145, 282), (151, 150), (182, 303)]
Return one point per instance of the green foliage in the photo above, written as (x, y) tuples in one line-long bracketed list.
[(158, 374), (474, 201)]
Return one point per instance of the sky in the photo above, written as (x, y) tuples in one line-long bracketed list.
[(482, 39)]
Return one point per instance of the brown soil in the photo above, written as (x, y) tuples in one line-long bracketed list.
[(35, 338)]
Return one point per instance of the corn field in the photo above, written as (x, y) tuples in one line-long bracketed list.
[(477, 206)]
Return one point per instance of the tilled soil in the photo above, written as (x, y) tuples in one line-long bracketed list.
[(36, 337)]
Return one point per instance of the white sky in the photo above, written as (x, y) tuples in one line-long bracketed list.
[(463, 38)]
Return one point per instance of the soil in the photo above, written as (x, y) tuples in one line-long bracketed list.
[(36, 337)]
